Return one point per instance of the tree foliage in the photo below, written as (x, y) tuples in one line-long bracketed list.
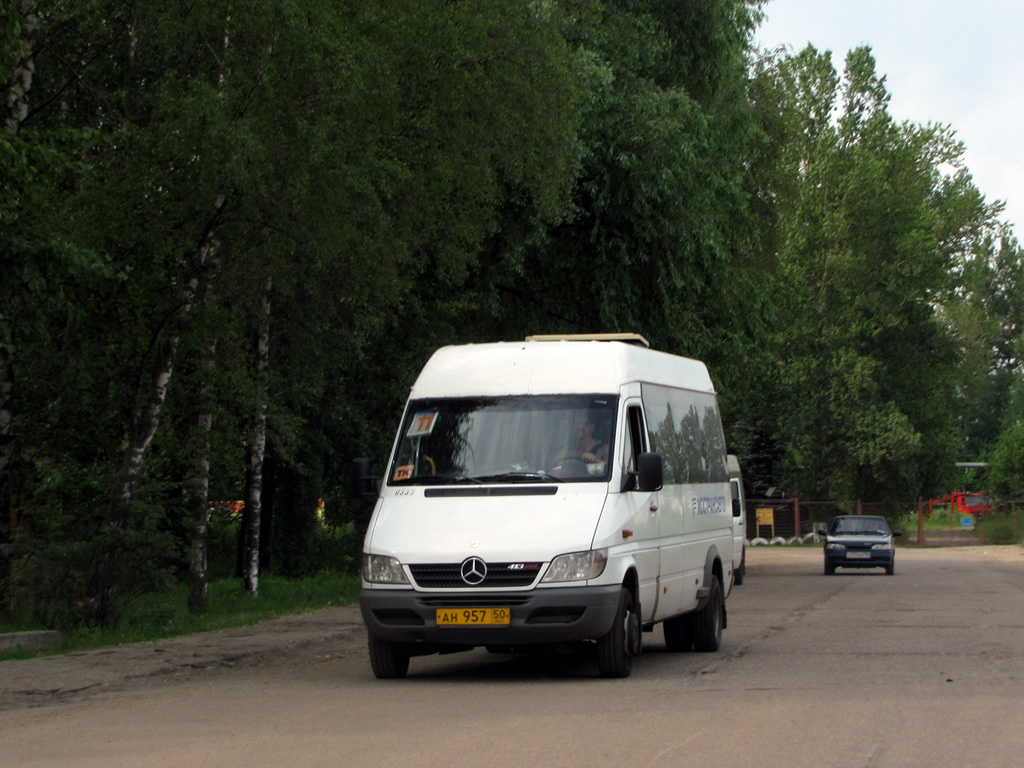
[(866, 371), (408, 174)]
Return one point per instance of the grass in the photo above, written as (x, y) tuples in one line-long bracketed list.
[(163, 615), (1002, 529), (996, 529)]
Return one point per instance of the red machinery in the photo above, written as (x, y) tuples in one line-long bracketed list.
[(961, 503)]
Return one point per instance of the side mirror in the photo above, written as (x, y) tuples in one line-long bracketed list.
[(897, 533), (649, 472), (822, 531), (363, 482)]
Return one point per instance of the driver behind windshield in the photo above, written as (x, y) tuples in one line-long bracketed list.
[(591, 448)]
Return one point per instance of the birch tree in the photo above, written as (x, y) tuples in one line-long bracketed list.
[(257, 448)]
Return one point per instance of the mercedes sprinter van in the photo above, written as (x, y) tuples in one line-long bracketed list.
[(553, 491)]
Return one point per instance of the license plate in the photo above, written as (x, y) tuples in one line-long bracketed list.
[(475, 617), (858, 555)]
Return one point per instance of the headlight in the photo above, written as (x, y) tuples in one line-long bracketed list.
[(578, 566), (881, 546), (382, 569), (835, 545)]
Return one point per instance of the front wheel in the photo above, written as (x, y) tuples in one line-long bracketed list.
[(389, 660), (707, 623), (616, 649)]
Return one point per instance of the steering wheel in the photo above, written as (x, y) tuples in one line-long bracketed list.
[(570, 466)]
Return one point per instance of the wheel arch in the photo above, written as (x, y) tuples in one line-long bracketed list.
[(713, 569), (631, 581)]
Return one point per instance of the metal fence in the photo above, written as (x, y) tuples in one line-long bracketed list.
[(794, 517)]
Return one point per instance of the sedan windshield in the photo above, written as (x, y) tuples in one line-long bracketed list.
[(521, 439), (862, 526)]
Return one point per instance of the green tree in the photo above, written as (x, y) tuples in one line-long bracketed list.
[(353, 157), (984, 312), (1006, 465), (662, 238), (865, 369)]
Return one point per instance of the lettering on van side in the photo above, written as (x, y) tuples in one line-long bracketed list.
[(708, 505)]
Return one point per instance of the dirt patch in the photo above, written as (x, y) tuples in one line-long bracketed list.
[(51, 679)]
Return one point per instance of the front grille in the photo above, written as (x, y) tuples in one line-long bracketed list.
[(470, 601), (499, 575)]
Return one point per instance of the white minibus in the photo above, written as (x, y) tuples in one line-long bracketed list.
[(553, 491)]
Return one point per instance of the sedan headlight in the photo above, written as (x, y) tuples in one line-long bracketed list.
[(835, 545), (578, 566), (382, 569), (881, 546)]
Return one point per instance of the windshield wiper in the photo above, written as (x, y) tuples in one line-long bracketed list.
[(516, 477), (437, 480)]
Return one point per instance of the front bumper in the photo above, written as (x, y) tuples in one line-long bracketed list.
[(540, 616), (875, 558)]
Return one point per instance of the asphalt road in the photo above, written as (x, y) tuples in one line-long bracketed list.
[(923, 668)]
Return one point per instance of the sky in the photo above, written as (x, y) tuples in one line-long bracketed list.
[(945, 61)]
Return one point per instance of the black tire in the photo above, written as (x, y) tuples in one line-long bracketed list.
[(679, 633), (388, 660), (742, 570), (829, 569), (708, 622), (891, 567), (616, 649)]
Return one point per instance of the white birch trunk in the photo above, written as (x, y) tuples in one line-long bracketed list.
[(24, 70), (251, 560), (154, 390), (145, 424)]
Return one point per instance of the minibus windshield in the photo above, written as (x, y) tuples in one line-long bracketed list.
[(520, 439)]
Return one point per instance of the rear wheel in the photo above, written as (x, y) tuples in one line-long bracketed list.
[(742, 570), (707, 623), (616, 649), (388, 660)]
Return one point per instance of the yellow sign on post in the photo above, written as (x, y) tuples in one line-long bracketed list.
[(766, 517)]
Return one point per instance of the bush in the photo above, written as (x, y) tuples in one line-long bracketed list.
[(80, 583), (1001, 529)]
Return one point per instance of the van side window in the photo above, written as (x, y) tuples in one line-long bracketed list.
[(687, 432)]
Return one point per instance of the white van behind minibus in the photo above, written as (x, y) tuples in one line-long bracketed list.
[(551, 491), (739, 519)]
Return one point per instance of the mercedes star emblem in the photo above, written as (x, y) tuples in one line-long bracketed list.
[(474, 571)]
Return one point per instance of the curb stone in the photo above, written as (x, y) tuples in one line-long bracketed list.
[(12, 642)]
